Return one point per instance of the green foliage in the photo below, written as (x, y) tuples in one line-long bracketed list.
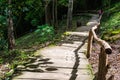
[(111, 21), (114, 8), (3, 7), (8, 74), (3, 27), (63, 2), (116, 32), (41, 35), (3, 22), (35, 22), (14, 57), (3, 43), (106, 2), (45, 32), (35, 10)]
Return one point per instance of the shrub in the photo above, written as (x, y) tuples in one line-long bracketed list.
[(14, 56), (3, 43), (111, 21), (45, 32)]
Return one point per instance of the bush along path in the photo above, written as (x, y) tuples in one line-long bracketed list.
[(65, 61)]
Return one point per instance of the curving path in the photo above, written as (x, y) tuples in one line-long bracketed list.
[(66, 61)]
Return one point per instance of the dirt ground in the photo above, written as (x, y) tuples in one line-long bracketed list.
[(114, 59)]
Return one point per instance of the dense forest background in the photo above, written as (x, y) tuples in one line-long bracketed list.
[(28, 14), (43, 19)]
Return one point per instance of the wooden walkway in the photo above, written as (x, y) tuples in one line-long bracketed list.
[(66, 61)]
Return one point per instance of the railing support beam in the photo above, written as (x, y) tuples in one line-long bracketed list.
[(103, 56), (89, 47), (103, 65)]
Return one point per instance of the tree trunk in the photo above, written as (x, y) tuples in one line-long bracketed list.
[(53, 13), (11, 40), (69, 17), (46, 12), (56, 21), (103, 63)]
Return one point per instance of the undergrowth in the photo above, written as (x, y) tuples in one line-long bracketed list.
[(41, 35), (111, 22)]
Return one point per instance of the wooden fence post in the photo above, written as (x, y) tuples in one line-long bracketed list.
[(103, 67), (111, 77), (89, 47)]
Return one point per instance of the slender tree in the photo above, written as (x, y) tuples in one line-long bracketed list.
[(69, 16), (46, 11), (55, 20), (11, 40), (53, 13)]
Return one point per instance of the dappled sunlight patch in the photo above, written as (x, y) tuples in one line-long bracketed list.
[(91, 23), (78, 33), (66, 33)]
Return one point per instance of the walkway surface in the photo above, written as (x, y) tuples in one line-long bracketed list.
[(66, 61)]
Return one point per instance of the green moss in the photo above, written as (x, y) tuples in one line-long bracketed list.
[(112, 38), (91, 71), (115, 32)]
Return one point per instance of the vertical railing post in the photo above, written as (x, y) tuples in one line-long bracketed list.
[(103, 65), (111, 77), (89, 47)]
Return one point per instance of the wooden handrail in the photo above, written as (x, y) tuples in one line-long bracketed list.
[(101, 42), (103, 56)]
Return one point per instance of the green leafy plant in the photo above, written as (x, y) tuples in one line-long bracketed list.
[(12, 58), (63, 2), (34, 22), (116, 32), (3, 43), (15, 56), (111, 23), (45, 32), (3, 22)]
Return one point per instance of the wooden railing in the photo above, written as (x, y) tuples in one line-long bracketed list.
[(103, 56)]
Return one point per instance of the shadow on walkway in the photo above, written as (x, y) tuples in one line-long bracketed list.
[(75, 67)]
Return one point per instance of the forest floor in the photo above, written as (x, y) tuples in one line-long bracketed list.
[(114, 59)]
